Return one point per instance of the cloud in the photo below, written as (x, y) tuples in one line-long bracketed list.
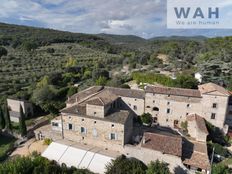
[(143, 18)]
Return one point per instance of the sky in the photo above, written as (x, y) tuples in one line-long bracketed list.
[(144, 18)]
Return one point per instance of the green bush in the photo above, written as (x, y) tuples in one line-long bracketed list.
[(146, 118), (47, 141), (36, 165), (158, 167), (123, 165)]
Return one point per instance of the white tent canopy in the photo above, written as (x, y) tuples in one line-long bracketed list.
[(76, 157)]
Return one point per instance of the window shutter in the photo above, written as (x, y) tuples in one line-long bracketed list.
[(116, 136), (67, 126), (76, 128), (73, 127), (85, 131), (109, 136)]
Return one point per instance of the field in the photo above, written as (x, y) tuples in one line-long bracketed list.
[(21, 69)]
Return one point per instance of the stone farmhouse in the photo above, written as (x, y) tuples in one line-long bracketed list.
[(14, 109), (170, 106), (106, 117)]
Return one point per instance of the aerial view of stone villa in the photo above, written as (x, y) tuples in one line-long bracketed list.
[(105, 120)]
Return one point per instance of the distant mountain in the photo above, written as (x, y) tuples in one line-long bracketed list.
[(195, 38), (122, 39)]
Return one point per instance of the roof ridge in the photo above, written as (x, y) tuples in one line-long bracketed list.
[(101, 100), (167, 87)]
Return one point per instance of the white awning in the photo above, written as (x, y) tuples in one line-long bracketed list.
[(76, 157)]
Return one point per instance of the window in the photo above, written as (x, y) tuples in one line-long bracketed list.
[(169, 95), (155, 109), (153, 101), (148, 107), (83, 130), (70, 126), (55, 124), (94, 132), (95, 122), (168, 103), (135, 99), (113, 136), (213, 116), (82, 119), (112, 125), (168, 111), (187, 113), (188, 105), (135, 107), (214, 105)]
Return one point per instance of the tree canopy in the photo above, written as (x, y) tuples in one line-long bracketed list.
[(22, 123), (123, 165)]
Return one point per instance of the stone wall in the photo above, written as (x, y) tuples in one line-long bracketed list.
[(195, 132), (94, 110), (220, 111), (97, 132), (180, 106), (135, 104), (14, 105)]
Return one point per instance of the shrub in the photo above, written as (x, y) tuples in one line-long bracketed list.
[(47, 141), (157, 167), (123, 165), (146, 118), (184, 126)]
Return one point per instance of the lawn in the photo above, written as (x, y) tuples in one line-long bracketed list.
[(6, 143)]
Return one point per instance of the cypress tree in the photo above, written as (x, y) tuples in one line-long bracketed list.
[(2, 119), (22, 124), (7, 118)]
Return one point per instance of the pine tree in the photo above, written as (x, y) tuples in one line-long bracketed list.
[(22, 124), (7, 118), (2, 119)]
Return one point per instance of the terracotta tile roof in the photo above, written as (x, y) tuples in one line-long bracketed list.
[(173, 91), (195, 154), (84, 94), (211, 87), (127, 92), (105, 91), (200, 122), (96, 101), (115, 116), (75, 109), (103, 98), (166, 144)]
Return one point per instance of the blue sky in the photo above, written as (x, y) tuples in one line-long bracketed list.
[(144, 18)]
